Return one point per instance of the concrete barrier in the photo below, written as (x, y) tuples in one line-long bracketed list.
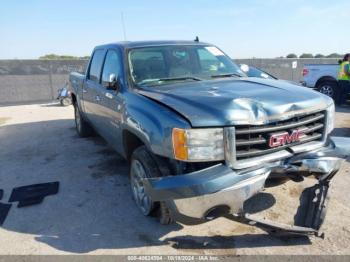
[(31, 81), (282, 68)]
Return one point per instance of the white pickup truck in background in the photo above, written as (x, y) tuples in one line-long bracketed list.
[(322, 77)]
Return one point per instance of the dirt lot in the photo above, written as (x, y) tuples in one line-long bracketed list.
[(94, 212)]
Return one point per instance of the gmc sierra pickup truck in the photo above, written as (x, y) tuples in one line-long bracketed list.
[(201, 137)]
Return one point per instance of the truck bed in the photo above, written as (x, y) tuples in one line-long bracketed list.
[(315, 73), (76, 82)]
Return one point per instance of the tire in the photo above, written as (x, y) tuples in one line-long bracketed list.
[(83, 128), (144, 165), (65, 101), (329, 88), (164, 215)]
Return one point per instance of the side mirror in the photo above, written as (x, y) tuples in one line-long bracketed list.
[(112, 83)]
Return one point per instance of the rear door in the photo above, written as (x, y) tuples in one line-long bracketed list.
[(111, 100), (91, 96)]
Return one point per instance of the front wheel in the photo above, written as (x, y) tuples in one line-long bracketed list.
[(143, 165), (137, 173)]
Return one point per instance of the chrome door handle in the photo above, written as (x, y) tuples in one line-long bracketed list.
[(97, 98), (109, 95)]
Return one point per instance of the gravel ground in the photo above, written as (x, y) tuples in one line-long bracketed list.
[(94, 213)]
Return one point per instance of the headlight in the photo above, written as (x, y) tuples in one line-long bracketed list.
[(198, 144), (330, 118)]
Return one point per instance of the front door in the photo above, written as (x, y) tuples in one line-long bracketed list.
[(111, 100)]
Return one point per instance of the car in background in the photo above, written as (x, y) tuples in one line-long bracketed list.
[(322, 77), (252, 71)]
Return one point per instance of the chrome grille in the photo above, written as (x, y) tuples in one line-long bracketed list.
[(253, 141)]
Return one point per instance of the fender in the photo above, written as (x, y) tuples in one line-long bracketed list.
[(152, 123)]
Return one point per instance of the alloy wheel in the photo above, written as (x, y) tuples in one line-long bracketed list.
[(327, 90), (143, 201)]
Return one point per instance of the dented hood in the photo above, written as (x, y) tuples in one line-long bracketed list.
[(243, 101)]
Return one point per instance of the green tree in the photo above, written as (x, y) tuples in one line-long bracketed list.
[(319, 56), (334, 55), (48, 56), (61, 57), (306, 55), (292, 56)]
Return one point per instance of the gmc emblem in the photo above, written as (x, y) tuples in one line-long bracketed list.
[(284, 138)]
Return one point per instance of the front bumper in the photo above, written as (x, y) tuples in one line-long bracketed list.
[(221, 191)]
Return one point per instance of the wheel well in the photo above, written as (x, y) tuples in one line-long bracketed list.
[(74, 98), (130, 143), (324, 79)]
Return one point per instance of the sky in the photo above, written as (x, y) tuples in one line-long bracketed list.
[(243, 29)]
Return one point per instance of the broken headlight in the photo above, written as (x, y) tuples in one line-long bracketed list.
[(205, 144)]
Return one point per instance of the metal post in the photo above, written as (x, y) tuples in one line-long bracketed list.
[(50, 81)]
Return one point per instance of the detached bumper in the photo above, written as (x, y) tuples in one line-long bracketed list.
[(194, 196), (220, 191)]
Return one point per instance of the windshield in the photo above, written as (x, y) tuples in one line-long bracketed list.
[(167, 64)]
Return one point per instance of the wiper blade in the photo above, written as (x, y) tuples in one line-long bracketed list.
[(169, 79), (180, 78), (226, 75)]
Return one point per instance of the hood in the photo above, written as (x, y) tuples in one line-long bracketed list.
[(243, 101)]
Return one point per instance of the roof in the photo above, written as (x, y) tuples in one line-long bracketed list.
[(135, 44)]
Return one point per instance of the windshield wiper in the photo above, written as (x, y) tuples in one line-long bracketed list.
[(169, 79), (226, 75), (181, 78)]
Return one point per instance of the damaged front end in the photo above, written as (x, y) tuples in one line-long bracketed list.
[(219, 190)]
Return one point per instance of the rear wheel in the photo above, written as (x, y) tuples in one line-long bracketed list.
[(329, 88), (83, 128), (143, 165)]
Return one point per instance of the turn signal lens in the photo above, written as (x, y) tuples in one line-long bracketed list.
[(180, 144)]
